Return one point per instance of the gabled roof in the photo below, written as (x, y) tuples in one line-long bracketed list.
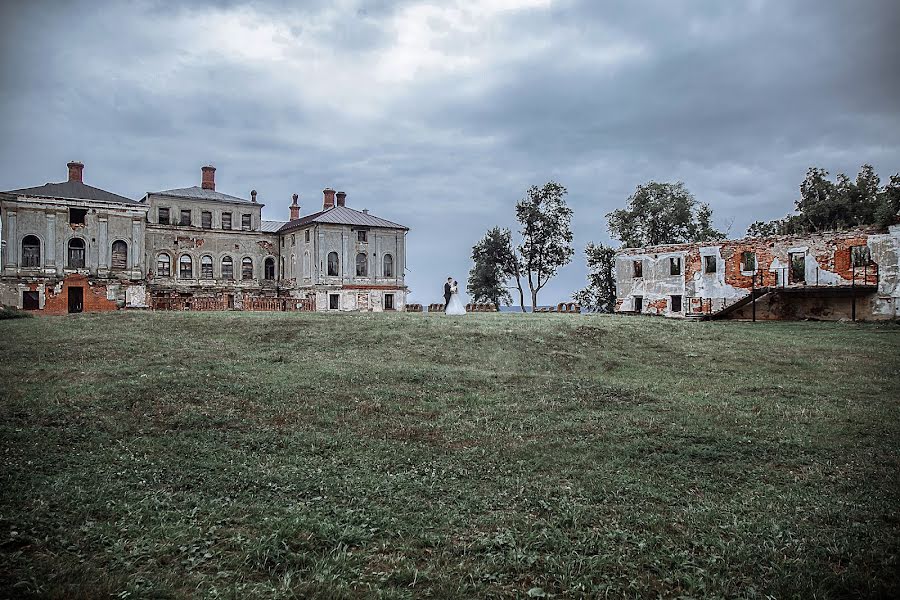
[(271, 226), (198, 193), (341, 215), (72, 190)]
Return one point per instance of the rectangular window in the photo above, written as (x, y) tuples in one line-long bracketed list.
[(206, 219), (293, 240), (709, 264), (334, 301), (674, 266), (638, 268), (245, 222), (676, 303), (163, 216), (860, 256), (638, 304), (388, 302), (362, 235), (282, 242), (77, 216), (206, 270), (748, 261), (226, 220), (307, 235), (798, 267), (185, 218)]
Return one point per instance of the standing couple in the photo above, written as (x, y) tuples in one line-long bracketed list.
[(452, 303)]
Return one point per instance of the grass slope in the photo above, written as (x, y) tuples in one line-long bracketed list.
[(229, 455)]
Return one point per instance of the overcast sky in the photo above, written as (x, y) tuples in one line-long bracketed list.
[(439, 115)]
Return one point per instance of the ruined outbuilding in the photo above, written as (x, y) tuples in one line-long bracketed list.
[(69, 247), (853, 274)]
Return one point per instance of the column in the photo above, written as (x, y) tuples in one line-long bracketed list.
[(136, 247), (103, 243), (12, 244), (50, 244)]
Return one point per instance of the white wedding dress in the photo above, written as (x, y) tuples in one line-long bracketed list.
[(455, 306)]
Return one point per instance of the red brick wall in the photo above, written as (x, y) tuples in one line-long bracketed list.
[(94, 297)]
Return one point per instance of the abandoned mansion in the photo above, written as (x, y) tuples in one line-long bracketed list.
[(70, 247)]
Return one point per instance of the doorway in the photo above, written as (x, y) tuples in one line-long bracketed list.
[(76, 299), (30, 301)]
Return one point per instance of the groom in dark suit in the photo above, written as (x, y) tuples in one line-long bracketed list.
[(447, 291)]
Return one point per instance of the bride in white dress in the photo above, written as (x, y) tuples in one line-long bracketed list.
[(455, 306)]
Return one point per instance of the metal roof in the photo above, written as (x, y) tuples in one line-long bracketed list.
[(72, 190), (198, 193), (271, 226), (341, 215)]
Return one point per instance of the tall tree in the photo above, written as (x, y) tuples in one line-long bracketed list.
[(826, 205), (662, 213), (494, 264), (600, 293), (546, 245)]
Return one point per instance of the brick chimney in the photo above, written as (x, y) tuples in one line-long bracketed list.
[(76, 170), (295, 208), (253, 195), (341, 198), (329, 198), (208, 179)]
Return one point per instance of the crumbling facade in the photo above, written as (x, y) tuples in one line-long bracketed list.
[(851, 274), (68, 247)]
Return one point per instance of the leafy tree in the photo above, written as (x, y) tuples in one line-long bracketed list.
[(662, 213), (600, 293), (546, 232), (825, 205), (495, 263), (545, 246)]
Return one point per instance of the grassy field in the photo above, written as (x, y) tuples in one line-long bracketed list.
[(228, 455)]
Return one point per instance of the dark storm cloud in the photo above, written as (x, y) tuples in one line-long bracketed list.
[(441, 117)]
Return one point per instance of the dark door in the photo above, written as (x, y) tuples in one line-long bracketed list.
[(230, 300), (798, 267), (30, 301), (76, 299), (638, 304)]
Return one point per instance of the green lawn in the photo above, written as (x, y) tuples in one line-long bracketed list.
[(229, 455)]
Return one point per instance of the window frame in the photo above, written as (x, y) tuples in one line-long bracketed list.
[(229, 272), (389, 299), (244, 273), (203, 267), (246, 222), (637, 269), (185, 266), (159, 264), (185, 212), (206, 219), (159, 215), (362, 236), (744, 266), (269, 268), (82, 212), (337, 265), (69, 250), (675, 266), (387, 265), (706, 264), (362, 266), (860, 256), (227, 218), (334, 302), (34, 252), (306, 238), (112, 256)]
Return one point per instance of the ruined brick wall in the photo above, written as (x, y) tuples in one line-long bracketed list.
[(715, 277), (94, 295)]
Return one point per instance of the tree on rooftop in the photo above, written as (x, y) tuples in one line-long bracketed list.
[(662, 213)]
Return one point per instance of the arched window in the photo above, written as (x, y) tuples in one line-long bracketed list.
[(185, 267), (227, 268), (269, 269), (76, 253), (332, 264), (31, 251), (387, 267), (119, 255), (362, 265), (306, 269), (206, 270), (163, 265), (247, 268)]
